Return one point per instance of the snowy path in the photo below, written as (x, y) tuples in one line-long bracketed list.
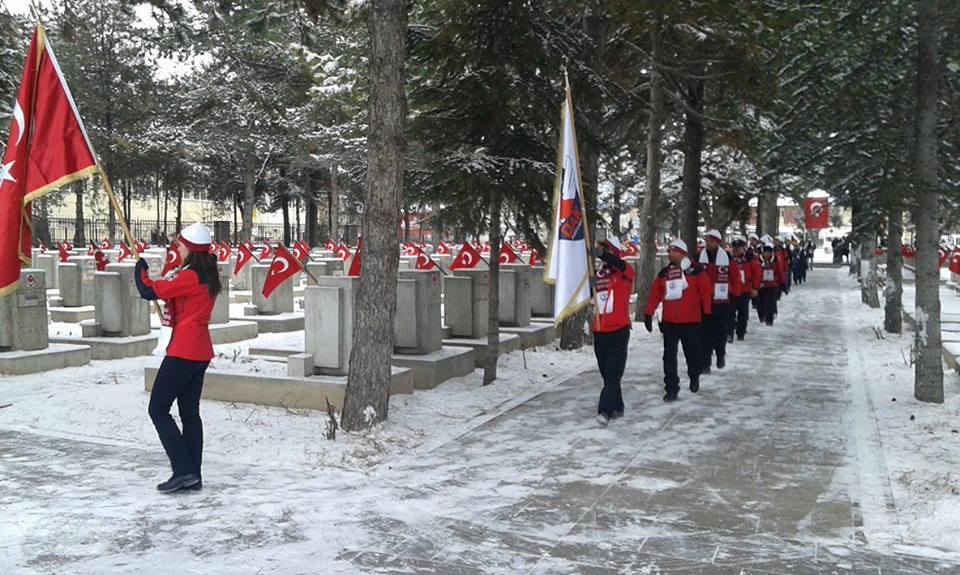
[(776, 466)]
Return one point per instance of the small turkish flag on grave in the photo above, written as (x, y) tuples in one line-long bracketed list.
[(942, 255), (106, 245), (907, 252), (468, 258), (331, 246), (343, 252), (100, 258), (424, 261), (224, 253), (244, 255), (298, 252), (43, 247), (355, 263), (173, 259), (283, 266), (64, 253), (124, 252), (955, 260), (442, 249), (265, 252), (534, 257), (507, 255)]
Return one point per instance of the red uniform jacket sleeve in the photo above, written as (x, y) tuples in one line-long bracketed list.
[(179, 285), (757, 276), (734, 275), (706, 291), (656, 295)]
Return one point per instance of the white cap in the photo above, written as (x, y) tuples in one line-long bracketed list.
[(754, 236), (196, 237), (680, 245), (714, 234)]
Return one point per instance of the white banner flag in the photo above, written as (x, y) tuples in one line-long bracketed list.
[(568, 266)]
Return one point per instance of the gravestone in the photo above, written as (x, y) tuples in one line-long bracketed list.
[(417, 325), (541, 293), (23, 314), (120, 311), (515, 295), (87, 266), (221, 308), (280, 300), (330, 309), (466, 297)]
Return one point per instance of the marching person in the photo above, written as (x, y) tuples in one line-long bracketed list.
[(611, 327), (771, 280), (189, 295), (725, 281), (684, 290), (748, 266)]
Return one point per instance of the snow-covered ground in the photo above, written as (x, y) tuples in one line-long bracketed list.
[(796, 458)]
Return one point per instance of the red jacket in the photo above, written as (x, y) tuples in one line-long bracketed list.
[(782, 258), (614, 288), (190, 306), (749, 276), (774, 267), (716, 273), (695, 302)]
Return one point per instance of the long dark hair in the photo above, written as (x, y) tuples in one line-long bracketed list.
[(205, 265)]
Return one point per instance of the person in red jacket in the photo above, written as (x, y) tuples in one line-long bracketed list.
[(748, 266), (611, 325), (771, 280), (189, 294), (725, 280), (686, 294)]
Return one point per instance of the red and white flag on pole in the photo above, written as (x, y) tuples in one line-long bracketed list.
[(507, 255), (244, 255), (568, 266), (173, 259), (283, 266), (124, 252), (64, 252), (343, 252), (424, 261), (299, 252), (467, 259), (354, 270), (47, 148)]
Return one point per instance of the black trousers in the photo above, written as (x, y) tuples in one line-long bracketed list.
[(715, 328), (688, 335), (180, 380), (739, 316), (611, 351), (767, 304)]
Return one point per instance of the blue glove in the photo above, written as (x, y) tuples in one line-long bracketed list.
[(146, 292)]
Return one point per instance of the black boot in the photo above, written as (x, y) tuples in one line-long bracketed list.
[(198, 486), (721, 361), (670, 397), (178, 482), (695, 384)]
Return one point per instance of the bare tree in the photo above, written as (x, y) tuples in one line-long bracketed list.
[(368, 382), (893, 287), (928, 382)]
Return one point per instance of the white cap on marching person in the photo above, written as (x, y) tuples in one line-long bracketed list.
[(715, 234), (754, 236), (679, 245), (196, 237)]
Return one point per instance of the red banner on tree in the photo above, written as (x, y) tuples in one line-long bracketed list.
[(47, 148), (816, 213)]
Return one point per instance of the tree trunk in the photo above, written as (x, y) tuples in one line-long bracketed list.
[(768, 213), (156, 190), (617, 208), (249, 197), (179, 220), (311, 208), (298, 232), (893, 286), (493, 301), (406, 224), (651, 196), (693, 134), (868, 266), (164, 237), (79, 237), (334, 206), (928, 383), (368, 383), (285, 210)]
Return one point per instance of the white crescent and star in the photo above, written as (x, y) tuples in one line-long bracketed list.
[(284, 266)]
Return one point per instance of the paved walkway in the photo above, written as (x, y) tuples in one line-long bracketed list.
[(758, 473)]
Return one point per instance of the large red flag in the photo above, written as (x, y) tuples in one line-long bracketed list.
[(816, 213), (244, 255), (282, 267), (47, 148), (468, 258)]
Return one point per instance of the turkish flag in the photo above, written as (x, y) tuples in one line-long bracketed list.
[(942, 255), (100, 258), (43, 247), (244, 255), (534, 257), (265, 252), (223, 251), (124, 252), (106, 245), (907, 252), (283, 266), (507, 255), (442, 249), (486, 247), (355, 263), (331, 246), (92, 249), (468, 258), (955, 261), (424, 261), (64, 254), (305, 247), (343, 252), (173, 259), (298, 252), (816, 213)]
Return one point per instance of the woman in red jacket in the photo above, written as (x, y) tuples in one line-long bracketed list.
[(189, 295), (687, 296), (611, 325)]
